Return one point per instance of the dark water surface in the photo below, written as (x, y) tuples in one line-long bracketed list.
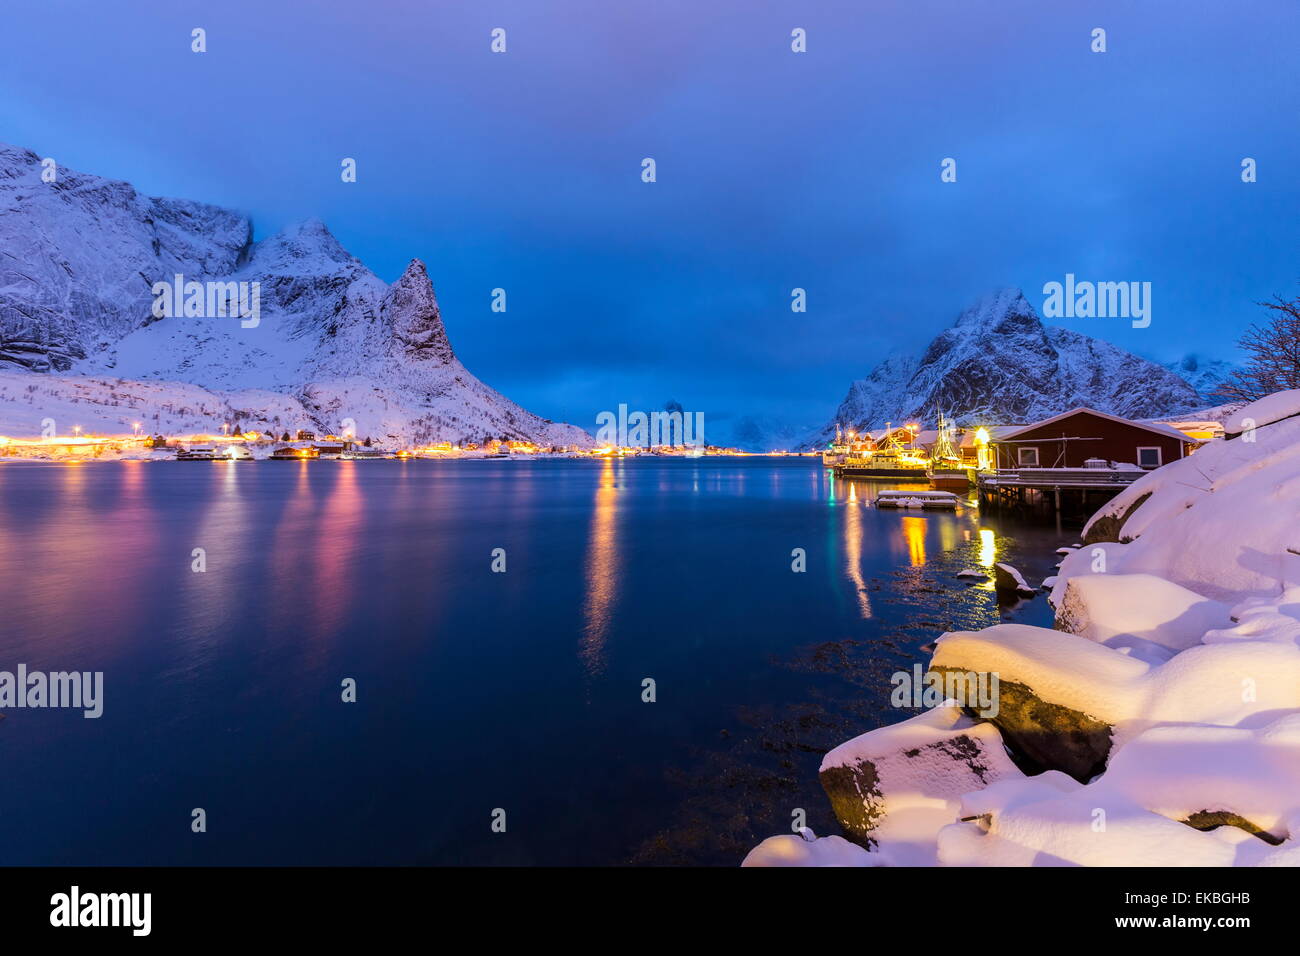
[(476, 690)]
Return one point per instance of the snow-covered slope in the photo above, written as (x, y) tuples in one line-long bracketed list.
[(79, 255), (1203, 374), (332, 342), (1000, 364)]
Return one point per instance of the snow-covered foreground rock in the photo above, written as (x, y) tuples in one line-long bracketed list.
[(332, 345), (1159, 724)]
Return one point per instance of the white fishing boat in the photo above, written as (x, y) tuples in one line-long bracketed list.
[(362, 453)]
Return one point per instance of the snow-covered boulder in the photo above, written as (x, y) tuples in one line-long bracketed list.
[(808, 849), (1065, 702), (1008, 579), (1266, 411), (1175, 796), (1140, 614), (1056, 692), (899, 785)]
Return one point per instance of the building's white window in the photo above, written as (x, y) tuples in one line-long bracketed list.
[(1028, 457), (1149, 457)]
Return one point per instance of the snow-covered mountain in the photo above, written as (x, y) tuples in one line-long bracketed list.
[(79, 255), (754, 432), (332, 342), (1000, 364), (1203, 374)]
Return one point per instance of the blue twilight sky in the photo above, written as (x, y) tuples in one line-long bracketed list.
[(775, 169)]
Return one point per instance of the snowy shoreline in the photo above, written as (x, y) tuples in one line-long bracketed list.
[(1157, 725)]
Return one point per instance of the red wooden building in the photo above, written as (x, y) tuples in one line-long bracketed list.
[(1084, 437)]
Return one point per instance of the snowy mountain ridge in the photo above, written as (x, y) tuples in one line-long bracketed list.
[(998, 364), (81, 255)]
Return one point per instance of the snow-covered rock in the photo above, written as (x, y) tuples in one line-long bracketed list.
[(1141, 614), (1266, 411), (1175, 796), (811, 850), (1000, 364), (897, 786), (1008, 578), (1228, 682)]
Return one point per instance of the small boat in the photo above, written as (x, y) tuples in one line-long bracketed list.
[(917, 499), (362, 454), (196, 453)]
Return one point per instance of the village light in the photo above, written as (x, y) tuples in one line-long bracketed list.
[(981, 436)]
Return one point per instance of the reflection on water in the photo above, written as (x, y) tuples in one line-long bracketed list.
[(988, 548), (914, 534), (602, 569), (853, 551), (226, 682)]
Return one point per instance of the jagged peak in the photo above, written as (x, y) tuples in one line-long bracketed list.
[(306, 246), (993, 307), (415, 272), (411, 308)]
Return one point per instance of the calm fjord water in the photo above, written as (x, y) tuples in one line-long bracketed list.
[(476, 690)]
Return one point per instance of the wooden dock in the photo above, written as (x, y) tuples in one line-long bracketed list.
[(1059, 491)]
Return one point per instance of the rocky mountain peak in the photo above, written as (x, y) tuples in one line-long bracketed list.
[(998, 364), (411, 310)]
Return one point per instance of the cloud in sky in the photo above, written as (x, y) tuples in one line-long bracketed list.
[(775, 169)]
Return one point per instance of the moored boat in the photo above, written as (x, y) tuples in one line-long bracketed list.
[(196, 453), (890, 459), (883, 463), (947, 470), (955, 479)]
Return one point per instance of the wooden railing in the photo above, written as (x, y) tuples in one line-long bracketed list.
[(1062, 477)]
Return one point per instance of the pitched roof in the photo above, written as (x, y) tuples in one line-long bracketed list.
[(1164, 430)]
